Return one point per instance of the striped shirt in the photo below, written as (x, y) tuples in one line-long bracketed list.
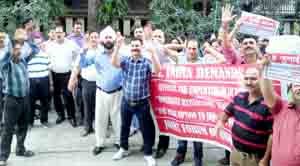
[(136, 78), (252, 124), (38, 66)]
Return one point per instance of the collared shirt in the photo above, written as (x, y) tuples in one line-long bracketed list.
[(38, 66), (252, 124), (88, 72), (136, 78), (15, 76), (78, 39), (286, 135), (108, 77), (62, 55)]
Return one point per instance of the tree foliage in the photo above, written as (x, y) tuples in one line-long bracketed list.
[(111, 10), (14, 12), (177, 17)]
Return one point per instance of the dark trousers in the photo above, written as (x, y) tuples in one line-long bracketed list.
[(227, 154), (89, 98), (142, 110), (197, 151), (39, 90), (60, 85), (15, 113), (79, 101), (163, 142)]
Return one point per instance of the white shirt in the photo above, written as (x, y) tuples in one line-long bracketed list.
[(62, 56)]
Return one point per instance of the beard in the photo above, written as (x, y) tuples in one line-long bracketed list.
[(108, 45)]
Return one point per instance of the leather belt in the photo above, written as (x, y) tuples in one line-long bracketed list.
[(110, 92), (137, 102)]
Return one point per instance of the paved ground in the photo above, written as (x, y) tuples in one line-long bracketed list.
[(61, 145)]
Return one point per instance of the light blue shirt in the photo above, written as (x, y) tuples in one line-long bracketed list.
[(108, 77)]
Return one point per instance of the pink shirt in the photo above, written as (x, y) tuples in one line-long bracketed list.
[(286, 135), (231, 55)]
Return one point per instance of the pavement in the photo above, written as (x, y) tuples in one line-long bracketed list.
[(61, 145)]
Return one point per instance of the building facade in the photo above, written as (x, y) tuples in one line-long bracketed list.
[(287, 11)]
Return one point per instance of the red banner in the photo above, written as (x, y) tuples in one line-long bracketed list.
[(187, 100)]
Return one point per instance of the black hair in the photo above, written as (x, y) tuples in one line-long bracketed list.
[(137, 39), (77, 23), (26, 20), (248, 36)]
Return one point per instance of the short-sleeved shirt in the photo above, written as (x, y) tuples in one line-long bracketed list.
[(286, 135), (252, 124), (136, 78)]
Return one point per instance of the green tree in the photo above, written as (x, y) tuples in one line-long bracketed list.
[(177, 17), (111, 10), (13, 12)]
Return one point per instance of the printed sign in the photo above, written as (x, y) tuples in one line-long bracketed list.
[(283, 72), (187, 100), (258, 25)]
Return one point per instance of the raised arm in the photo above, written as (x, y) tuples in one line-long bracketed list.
[(155, 60), (267, 87), (220, 57), (171, 53), (227, 17), (115, 59)]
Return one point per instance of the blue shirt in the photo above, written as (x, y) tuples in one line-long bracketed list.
[(136, 78), (108, 77), (15, 75)]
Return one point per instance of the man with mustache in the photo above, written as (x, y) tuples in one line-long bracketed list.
[(248, 42), (286, 128), (252, 122), (108, 93), (136, 70), (248, 53)]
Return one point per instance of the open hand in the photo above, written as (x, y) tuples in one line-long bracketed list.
[(227, 14), (119, 40)]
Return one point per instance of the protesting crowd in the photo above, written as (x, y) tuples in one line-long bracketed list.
[(102, 81)]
